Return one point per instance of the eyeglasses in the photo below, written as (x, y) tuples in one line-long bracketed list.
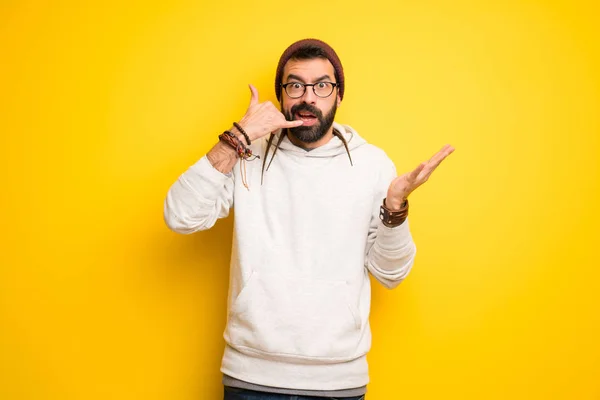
[(295, 90)]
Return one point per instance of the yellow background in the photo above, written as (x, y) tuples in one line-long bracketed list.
[(104, 104)]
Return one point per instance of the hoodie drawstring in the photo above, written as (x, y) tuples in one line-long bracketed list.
[(281, 136)]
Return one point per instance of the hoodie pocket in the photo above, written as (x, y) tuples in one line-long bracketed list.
[(295, 318)]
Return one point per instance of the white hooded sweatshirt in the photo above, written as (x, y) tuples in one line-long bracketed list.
[(304, 243)]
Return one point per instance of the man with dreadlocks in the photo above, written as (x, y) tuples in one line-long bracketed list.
[(319, 212)]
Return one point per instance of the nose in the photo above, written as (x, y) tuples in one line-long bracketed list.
[(309, 95)]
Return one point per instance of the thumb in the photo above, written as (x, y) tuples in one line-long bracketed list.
[(254, 97)]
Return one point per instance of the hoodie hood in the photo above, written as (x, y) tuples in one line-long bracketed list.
[(332, 148)]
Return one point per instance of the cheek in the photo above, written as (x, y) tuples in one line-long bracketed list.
[(328, 107), (287, 106)]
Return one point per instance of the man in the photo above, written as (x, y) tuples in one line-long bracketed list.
[(319, 212)]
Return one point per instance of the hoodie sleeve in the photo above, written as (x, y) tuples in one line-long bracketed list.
[(198, 198), (390, 251)]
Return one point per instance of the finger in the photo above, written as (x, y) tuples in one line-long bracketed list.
[(254, 96), (435, 162), (438, 158), (441, 156), (291, 124), (447, 150), (444, 152), (415, 173)]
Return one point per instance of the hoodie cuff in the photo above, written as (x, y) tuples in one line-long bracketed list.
[(393, 239)]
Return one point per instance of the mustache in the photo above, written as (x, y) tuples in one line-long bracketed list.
[(307, 107)]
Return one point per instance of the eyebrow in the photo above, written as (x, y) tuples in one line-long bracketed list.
[(296, 77)]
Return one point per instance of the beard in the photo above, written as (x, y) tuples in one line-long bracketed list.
[(311, 134)]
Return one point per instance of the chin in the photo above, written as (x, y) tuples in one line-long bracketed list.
[(307, 134)]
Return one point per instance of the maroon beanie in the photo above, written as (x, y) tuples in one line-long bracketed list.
[(329, 53)]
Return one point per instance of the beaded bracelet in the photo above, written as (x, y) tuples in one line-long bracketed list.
[(243, 132)]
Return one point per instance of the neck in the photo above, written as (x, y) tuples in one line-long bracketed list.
[(311, 146)]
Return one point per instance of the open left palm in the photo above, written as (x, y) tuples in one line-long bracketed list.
[(405, 184)]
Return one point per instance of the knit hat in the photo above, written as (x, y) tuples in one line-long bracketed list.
[(329, 53)]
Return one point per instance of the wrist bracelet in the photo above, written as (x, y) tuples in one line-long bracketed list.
[(243, 132), (391, 218), (242, 151)]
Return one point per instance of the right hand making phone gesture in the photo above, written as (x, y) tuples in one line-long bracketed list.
[(264, 118)]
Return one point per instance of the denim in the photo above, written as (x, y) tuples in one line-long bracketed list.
[(245, 394)]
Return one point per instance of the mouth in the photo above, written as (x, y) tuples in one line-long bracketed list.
[(305, 116)]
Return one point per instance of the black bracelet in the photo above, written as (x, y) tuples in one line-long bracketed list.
[(243, 132)]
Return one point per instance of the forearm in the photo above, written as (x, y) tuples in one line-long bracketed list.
[(392, 254), (199, 197)]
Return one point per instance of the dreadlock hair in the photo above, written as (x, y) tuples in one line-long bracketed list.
[(281, 136)]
